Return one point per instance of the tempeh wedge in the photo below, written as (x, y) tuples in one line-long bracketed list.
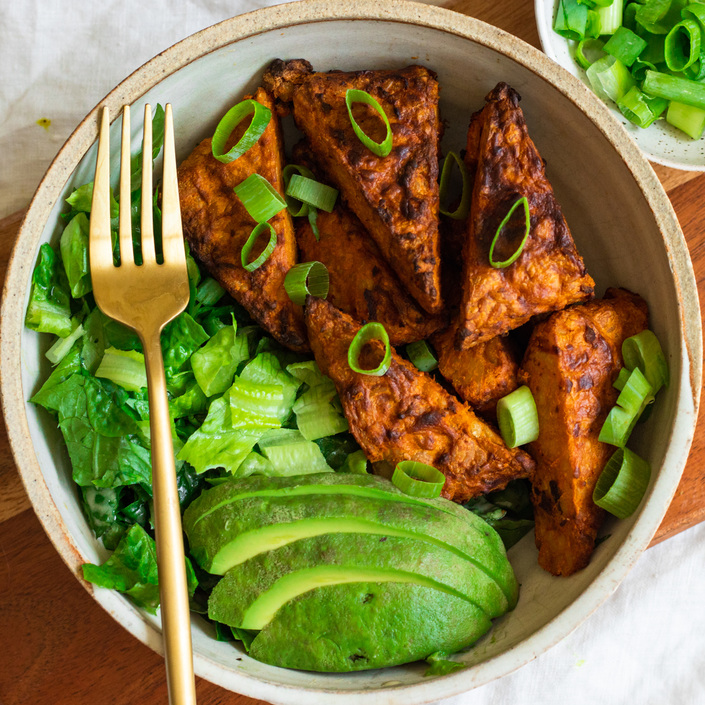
[(549, 274), (395, 197), (570, 364), (216, 226), (406, 415)]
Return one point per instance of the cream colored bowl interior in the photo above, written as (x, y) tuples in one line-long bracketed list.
[(621, 220)]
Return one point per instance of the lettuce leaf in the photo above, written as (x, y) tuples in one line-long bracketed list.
[(132, 569), (49, 310), (74, 254)]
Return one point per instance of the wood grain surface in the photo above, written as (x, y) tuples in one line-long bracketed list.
[(63, 649)]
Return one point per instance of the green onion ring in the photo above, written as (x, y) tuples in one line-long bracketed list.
[(261, 200), (461, 212), (368, 332), (418, 479), (500, 265), (589, 43), (622, 483), (635, 396), (676, 58), (295, 207), (383, 148), (312, 218), (260, 119), (518, 418), (306, 278), (266, 252), (644, 351), (421, 356), (314, 193)]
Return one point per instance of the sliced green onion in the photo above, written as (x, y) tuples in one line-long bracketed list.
[(650, 14), (421, 356), (517, 418), (644, 351), (296, 208), (312, 192), (663, 85), (687, 118), (355, 463), (209, 292), (610, 16), (260, 119), (610, 78), (592, 45), (383, 148), (371, 331), (266, 252), (461, 212), (58, 351), (593, 25), (261, 200), (622, 378), (641, 109), (306, 278), (625, 46), (640, 67), (571, 19), (622, 483), (418, 479), (635, 396), (527, 217), (685, 33), (312, 217)]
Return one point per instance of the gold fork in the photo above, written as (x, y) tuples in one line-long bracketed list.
[(145, 297)]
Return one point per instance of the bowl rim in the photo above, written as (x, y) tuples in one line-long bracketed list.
[(549, 40), (280, 17)]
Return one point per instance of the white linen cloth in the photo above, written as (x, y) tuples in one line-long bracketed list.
[(645, 645)]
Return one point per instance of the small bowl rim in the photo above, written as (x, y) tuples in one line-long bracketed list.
[(280, 17)]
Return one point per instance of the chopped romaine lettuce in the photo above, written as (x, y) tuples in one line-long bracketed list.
[(49, 310)]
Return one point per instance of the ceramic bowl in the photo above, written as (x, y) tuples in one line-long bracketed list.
[(623, 224), (661, 143)]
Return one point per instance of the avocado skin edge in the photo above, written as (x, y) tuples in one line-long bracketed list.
[(359, 626), (244, 583)]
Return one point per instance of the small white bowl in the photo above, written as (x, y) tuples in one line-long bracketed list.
[(661, 143), (623, 224)]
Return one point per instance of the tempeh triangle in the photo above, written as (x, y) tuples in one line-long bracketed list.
[(216, 226), (406, 415), (395, 197), (549, 274)]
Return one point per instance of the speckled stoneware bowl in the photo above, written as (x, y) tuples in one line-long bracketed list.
[(623, 224), (661, 143)]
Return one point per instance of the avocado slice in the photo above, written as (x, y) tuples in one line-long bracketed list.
[(244, 584), (238, 531), (357, 626), (215, 523)]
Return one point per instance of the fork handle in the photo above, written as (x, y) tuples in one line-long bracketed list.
[(173, 591)]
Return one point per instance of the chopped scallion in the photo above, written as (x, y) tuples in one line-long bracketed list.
[(249, 245), (622, 483), (296, 208), (527, 220), (312, 192), (421, 356), (687, 118), (418, 479), (663, 85), (684, 34), (517, 418), (369, 332), (261, 200), (644, 351), (306, 278), (261, 116), (610, 78), (383, 148), (463, 207), (635, 396), (625, 46)]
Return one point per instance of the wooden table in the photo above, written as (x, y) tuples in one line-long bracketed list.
[(62, 648)]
